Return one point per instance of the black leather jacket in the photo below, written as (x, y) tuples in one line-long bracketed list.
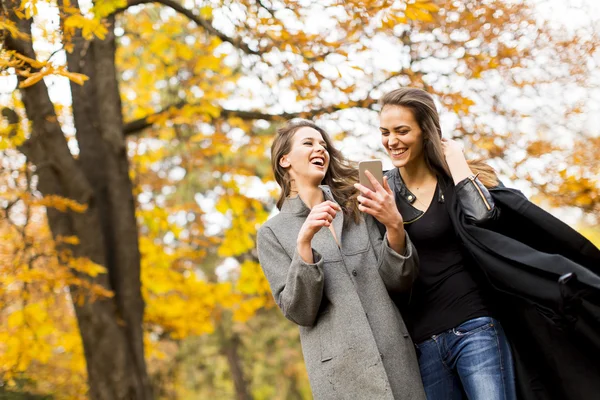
[(475, 199)]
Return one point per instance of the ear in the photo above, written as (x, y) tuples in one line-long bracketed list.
[(283, 162)]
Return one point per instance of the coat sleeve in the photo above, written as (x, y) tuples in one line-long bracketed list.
[(476, 201), (398, 271), (296, 286)]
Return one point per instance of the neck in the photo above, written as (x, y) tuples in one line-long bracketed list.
[(417, 173), (311, 195)]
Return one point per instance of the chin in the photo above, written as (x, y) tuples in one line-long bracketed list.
[(320, 178), (317, 179), (399, 163)]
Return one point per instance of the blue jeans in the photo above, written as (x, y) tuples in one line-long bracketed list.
[(471, 361)]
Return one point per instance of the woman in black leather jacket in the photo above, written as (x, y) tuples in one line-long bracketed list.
[(487, 254), (462, 348)]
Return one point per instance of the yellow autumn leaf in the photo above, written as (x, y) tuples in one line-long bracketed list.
[(103, 8), (32, 79), (238, 204), (11, 28), (74, 240), (73, 76), (94, 28), (87, 266), (417, 14), (61, 203), (89, 27), (206, 12), (427, 5), (75, 21)]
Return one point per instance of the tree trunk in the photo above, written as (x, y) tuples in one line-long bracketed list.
[(230, 348), (111, 329)]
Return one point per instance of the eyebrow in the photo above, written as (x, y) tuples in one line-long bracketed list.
[(313, 139), (395, 128)]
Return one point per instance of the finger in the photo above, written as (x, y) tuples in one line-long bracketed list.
[(319, 223), (386, 185), (367, 210), (331, 204), (365, 191), (325, 207), (330, 211), (363, 201), (374, 182), (322, 216), (327, 216)]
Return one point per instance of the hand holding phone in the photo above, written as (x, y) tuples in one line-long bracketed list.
[(380, 204)]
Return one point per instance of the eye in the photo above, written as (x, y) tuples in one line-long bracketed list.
[(404, 132), (385, 133)]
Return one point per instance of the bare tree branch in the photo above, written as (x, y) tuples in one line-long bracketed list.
[(137, 125), (133, 127), (207, 25)]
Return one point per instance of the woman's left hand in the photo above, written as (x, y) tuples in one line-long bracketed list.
[(452, 149), (379, 203), (455, 158)]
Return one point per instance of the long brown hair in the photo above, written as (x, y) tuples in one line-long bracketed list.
[(423, 108), (340, 176)]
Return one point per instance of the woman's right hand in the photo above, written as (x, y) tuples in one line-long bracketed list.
[(321, 215)]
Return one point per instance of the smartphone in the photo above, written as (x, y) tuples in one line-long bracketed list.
[(373, 166)]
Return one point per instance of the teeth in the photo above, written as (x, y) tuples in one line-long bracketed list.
[(318, 161), (398, 152)]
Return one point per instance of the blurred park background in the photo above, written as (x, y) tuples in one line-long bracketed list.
[(134, 165)]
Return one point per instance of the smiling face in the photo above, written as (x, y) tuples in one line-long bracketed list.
[(401, 135), (308, 159)]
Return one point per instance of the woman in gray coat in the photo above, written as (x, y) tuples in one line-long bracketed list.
[(331, 272)]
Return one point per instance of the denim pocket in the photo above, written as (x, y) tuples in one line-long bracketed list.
[(473, 326)]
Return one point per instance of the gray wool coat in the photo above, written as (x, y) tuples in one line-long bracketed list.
[(354, 341)]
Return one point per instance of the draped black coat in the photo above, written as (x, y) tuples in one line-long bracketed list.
[(542, 279)]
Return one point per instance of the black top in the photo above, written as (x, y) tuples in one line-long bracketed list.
[(445, 294)]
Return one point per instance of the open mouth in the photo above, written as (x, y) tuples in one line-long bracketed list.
[(318, 161)]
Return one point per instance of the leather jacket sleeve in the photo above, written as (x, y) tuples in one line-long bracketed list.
[(476, 201)]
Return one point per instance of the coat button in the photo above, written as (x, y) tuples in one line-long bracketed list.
[(354, 273), (410, 198), (381, 355)]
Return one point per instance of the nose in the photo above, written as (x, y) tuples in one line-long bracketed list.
[(392, 140), (320, 147)]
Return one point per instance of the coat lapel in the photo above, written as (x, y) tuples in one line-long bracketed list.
[(338, 221)]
